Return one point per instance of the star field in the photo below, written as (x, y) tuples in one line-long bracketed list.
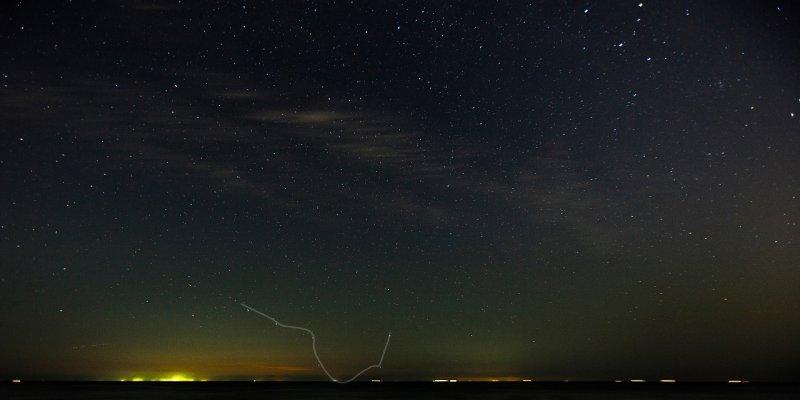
[(594, 190)]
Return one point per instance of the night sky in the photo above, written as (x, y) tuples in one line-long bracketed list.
[(555, 190)]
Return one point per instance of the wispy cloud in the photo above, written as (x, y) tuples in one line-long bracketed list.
[(312, 117), (290, 156)]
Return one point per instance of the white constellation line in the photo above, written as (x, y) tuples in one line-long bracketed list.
[(314, 346)]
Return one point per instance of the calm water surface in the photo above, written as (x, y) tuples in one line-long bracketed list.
[(271, 390)]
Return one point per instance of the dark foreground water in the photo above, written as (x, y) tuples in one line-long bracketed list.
[(506, 391)]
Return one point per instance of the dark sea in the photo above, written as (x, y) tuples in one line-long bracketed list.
[(385, 390)]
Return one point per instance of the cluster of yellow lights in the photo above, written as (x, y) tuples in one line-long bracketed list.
[(168, 378)]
